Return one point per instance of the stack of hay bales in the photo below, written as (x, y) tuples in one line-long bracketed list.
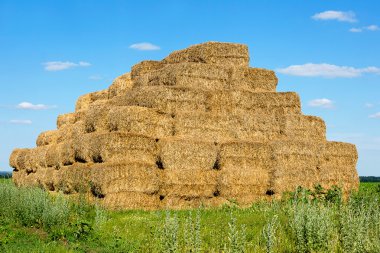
[(198, 128)]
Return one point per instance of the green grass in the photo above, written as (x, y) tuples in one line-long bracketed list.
[(307, 221)]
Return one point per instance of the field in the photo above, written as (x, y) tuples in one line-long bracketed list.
[(316, 220)]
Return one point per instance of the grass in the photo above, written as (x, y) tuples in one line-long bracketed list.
[(305, 221)]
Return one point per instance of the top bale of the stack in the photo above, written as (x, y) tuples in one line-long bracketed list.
[(231, 54)]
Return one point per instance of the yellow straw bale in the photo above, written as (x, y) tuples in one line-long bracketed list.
[(140, 120), (84, 102), (120, 85), (245, 169), (254, 79), (338, 166), (192, 75), (47, 138), (189, 183), (185, 154), (122, 147), (212, 53), (145, 67), (296, 164), (17, 158), (132, 200), (165, 99), (63, 119), (96, 118), (120, 177)]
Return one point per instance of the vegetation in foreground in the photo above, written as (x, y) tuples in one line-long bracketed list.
[(31, 220)]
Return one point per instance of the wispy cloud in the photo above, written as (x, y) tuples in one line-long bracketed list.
[(144, 46), (321, 102), (369, 105), (356, 30), (342, 16), (21, 121), (62, 65), (326, 70), (375, 116), (371, 28), (95, 77), (30, 106)]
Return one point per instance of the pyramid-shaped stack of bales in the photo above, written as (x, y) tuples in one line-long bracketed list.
[(198, 128)]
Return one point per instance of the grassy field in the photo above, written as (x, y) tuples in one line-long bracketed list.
[(31, 220)]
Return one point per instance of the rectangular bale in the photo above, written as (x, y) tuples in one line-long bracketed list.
[(121, 177), (245, 169), (296, 164), (131, 200), (231, 102), (165, 99), (122, 147), (47, 138), (84, 101), (180, 203), (253, 79), (120, 85), (338, 166), (96, 118), (302, 127), (212, 127), (145, 67), (191, 75), (185, 154), (140, 120), (189, 183), (228, 54)]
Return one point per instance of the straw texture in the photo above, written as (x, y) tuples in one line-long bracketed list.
[(199, 128)]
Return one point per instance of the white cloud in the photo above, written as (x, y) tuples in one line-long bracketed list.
[(30, 106), (372, 28), (60, 65), (375, 116), (144, 46), (95, 77), (21, 121), (356, 30), (369, 105), (321, 102), (342, 16), (326, 70)]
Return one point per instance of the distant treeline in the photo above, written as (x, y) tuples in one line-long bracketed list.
[(5, 174), (369, 179)]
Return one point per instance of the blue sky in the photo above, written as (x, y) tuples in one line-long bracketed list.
[(51, 52)]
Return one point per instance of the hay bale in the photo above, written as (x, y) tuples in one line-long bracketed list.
[(140, 120), (84, 102), (296, 164), (254, 79), (192, 75), (121, 147), (197, 128), (120, 85), (212, 53), (131, 200), (108, 178), (145, 67), (96, 118), (245, 170), (47, 138), (189, 183), (166, 99), (63, 119), (185, 154), (337, 166)]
